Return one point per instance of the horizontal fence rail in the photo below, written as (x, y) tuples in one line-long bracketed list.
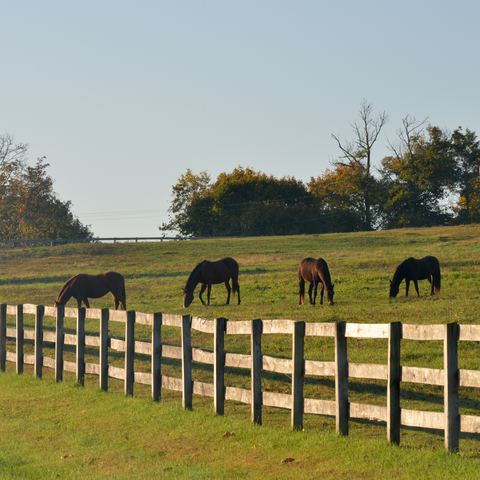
[(297, 367), (52, 242)]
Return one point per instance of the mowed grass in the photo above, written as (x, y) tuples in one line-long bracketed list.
[(166, 442)]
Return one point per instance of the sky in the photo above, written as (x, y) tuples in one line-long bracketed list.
[(122, 97)]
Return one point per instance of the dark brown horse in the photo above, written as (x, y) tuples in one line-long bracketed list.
[(82, 286), (208, 273), (427, 268), (315, 272)]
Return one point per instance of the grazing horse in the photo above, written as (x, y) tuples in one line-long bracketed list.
[(315, 272), (427, 268), (208, 273), (82, 286)]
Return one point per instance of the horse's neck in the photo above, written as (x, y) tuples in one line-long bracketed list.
[(399, 275), (64, 296), (193, 280)]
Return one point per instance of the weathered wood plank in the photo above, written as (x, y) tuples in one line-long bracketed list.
[(144, 318), (470, 378), (170, 351), (28, 359), (115, 372), (298, 375), (368, 412), (256, 371), (452, 377), (69, 367), (341, 379), (241, 395), (187, 390), (320, 407), (11, 356), (142, 378), (422, 419), (278, 400), (204, 389), (92, 341), (219, 366), (319, 329), (366, 370), (70, 339), (393, 385), (19, 339), (172, 383), (239, 328), (271, 327), (49, 337), (365, 330), (3, 336), (103, 349), (469, 424), (80, 347), (118, 345), (422, 332), (238, 360), (203, 356), (277, 365), (470, 333), (427, 376), (48, 362), (59, 342), (319, 369), (118, 315), (172, 320), (129, 350), (144, 348), (157, 357), (202, 325), (38, 341), (92, 369)]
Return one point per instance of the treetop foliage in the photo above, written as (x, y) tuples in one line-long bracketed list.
[(431, 178), (29, 207)]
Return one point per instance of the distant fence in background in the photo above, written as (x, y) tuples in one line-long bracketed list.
[(298, 367), (39, 242)]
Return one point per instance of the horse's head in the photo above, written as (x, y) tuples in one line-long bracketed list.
[(393, 289), (187, 298), (330, 294)]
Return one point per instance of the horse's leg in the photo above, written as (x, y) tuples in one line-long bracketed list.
[(407, 286), (301, 288), (430, 279), (209, 289), (315, 293), (115, 301), (202, 289), (321, 293), (236, 288), (310, 289), (415, 282), (227, 286), (85, 301)]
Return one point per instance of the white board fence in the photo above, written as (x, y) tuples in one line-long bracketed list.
[(298, 367)]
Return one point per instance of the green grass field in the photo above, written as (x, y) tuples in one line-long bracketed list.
[(64, 431)]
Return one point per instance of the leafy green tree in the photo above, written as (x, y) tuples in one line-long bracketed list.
[(357, 155), (419, 177), (244, 202), (29, 208), (466, 149)]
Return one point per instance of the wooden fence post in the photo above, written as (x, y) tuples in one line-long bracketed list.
[(393, 383), (59, 341), (3, 336), (452, 380), (157, 357), (103, 353), (80, 367), (38, 367), (187, 386), (341, 379), (256, 375), (298, 374), (219, 366), (19, 339), (129, 352)]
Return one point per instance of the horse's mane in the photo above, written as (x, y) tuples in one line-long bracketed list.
[(68, 284), (325, 272), (194, 272), (399, 274)]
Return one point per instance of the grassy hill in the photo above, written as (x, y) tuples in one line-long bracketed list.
[(176, 444)]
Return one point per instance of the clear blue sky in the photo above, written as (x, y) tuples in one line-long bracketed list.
[(123, 96)]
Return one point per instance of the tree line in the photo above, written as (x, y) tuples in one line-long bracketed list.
[(431, 178), (29, 207)]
